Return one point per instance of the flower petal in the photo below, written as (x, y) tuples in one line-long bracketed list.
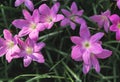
[(59, 17), (96, 48), (40, 27), (42, 18), (86, 68), (65, 22), (29, 5), (104, 54), (44, 9), (27, 60), (20, 23), (73, 25), (95, 63), (106, 25), (22, 44), (39, 57), (49, 25), (36, 16), (38, 46), (84, 31), (114, 28), (76, 40), (96, 37), (100, 23), (118, 3), (118, 35), (2, 51), (80, 20), (96, 18), (24, 32), (15, 39), (29, 42), (66, 12), (86, 57), (18, 2), (16, 49), (34, 35), (114, 18), (26, 14), (7, 34), (106, 13), (2, 42), (76, 53), (80, 13), (74, 8), (9, 55), (55, 8)]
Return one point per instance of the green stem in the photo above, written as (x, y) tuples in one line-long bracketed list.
[(72, 73), (4, 17)]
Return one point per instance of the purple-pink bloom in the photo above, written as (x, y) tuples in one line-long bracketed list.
[(49, 15), (31, 51), (102, 20), (88, 48), (9, 46), (72, 17), (93, 60), (115, 27), (30, 25), (28, 4), (118, 3)]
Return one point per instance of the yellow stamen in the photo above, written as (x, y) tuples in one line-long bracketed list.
[(33, 25), (29, 50), (86, 44), (10, 44), (118, 25)]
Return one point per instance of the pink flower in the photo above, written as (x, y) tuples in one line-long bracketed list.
[(88, 48), (73, 16), (28, 4), (9, 46), (115, 27), (118, 3), (30, 50), (102, 20), (50, 16), (30, 25), (93, 60)]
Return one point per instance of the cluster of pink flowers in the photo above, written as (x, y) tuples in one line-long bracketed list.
[(88, 48), (15, 47)]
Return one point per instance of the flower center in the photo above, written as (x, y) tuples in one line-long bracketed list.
[(32, 25), (118, 25), (49, 19), (72, 17), (10, 44), (29, 50), (86, 44), (104, 17)]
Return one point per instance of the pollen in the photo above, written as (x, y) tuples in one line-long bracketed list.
[(32, 25), (86, 44), (72, 17), (104, 17), (118, 25), (49, 19), (29, 50), (10, 44)]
